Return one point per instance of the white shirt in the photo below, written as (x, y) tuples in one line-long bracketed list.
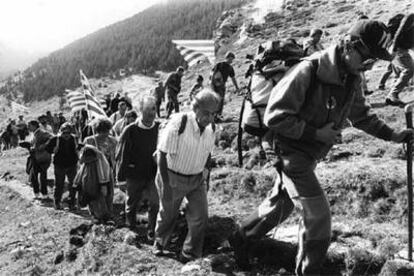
[(187, 153)]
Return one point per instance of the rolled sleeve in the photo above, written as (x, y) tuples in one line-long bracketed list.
[(362, 118)]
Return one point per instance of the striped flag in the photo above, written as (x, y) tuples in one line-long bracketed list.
[(86, 85), (194, 51), (78, 101), (18, 108)]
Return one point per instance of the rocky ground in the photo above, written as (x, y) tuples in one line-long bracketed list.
[(365, 180)]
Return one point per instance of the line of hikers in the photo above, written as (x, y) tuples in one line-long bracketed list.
[(18, 130), (312, 99)]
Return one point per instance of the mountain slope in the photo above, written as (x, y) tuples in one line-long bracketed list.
[(141, 43)]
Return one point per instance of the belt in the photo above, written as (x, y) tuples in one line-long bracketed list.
[(185, 175)]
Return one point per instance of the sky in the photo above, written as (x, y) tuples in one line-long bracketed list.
[(48, 25)]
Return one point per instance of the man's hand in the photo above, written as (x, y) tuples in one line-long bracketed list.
[(327, 134), (402, 136)]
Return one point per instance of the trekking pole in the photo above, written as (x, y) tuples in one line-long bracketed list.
[(409, 119)]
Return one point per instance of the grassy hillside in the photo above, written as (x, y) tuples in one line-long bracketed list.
[(141, 43), (364, 178)]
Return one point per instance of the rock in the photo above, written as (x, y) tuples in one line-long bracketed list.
[(248, 182), (222, 263), (17, 253), (223, 144), (72, 254), (360, 261), (190, 268), (76, 240), (130, 238), (345, 8), (59, 258), (397, 267), (24, 224)]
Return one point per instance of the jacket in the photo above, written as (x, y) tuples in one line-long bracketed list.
[(404, 37), (135, 152), (38, 143), (308, 98), (93, 173)]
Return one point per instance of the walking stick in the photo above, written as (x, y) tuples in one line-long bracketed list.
[(409, 118)]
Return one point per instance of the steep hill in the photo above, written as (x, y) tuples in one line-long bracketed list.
[(141, 43), (364, 179)]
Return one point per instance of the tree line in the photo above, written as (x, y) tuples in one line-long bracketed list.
[(141, 43)]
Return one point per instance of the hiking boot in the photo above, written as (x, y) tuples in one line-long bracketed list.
[(184, 259), (239, 244), (394, 101), (158, 249), (58, 206)]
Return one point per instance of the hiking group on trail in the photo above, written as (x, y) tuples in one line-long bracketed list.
[(299, 100)]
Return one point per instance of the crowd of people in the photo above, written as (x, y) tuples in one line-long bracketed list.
[(166, 164), (17, 130)]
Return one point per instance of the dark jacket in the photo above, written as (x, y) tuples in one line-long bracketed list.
[(135, 152), (173, 83), (65, 151), (404, 37), (308, 98)]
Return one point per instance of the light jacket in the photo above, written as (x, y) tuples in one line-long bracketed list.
[(308, 98)]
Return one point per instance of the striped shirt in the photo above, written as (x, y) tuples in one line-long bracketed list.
[(187, 153)]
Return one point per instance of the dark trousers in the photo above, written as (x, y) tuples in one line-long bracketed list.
[(158, 106), (36, 172), (172, 102), (138, 189), (387, 74), (220, 90), (60, 174)]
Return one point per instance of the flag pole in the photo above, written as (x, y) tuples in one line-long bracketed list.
[(87, 109), (409, 119)]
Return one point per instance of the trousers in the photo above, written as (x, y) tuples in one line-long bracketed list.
[(171, 196), (298, 187)]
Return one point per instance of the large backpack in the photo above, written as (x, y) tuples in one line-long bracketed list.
[(272, 62)]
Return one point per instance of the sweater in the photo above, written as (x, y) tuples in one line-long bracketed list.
[(135, 152)]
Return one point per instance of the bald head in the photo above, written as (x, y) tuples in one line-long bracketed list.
[(148, 109)]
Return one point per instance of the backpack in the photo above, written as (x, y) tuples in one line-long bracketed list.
[(273, 61)]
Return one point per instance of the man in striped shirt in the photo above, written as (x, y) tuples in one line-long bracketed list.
[(183, 151)]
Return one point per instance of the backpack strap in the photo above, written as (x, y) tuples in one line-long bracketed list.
[(184, 119)]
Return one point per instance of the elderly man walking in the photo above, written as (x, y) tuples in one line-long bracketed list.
[(183, 151), (137, 166), (313, 102)]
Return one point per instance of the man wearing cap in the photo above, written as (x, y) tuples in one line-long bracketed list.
[(402, 62), (220, 73), (173, 87), (183, 153), (313, 103)]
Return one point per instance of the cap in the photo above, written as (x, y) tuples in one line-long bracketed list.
[(375, 36)]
